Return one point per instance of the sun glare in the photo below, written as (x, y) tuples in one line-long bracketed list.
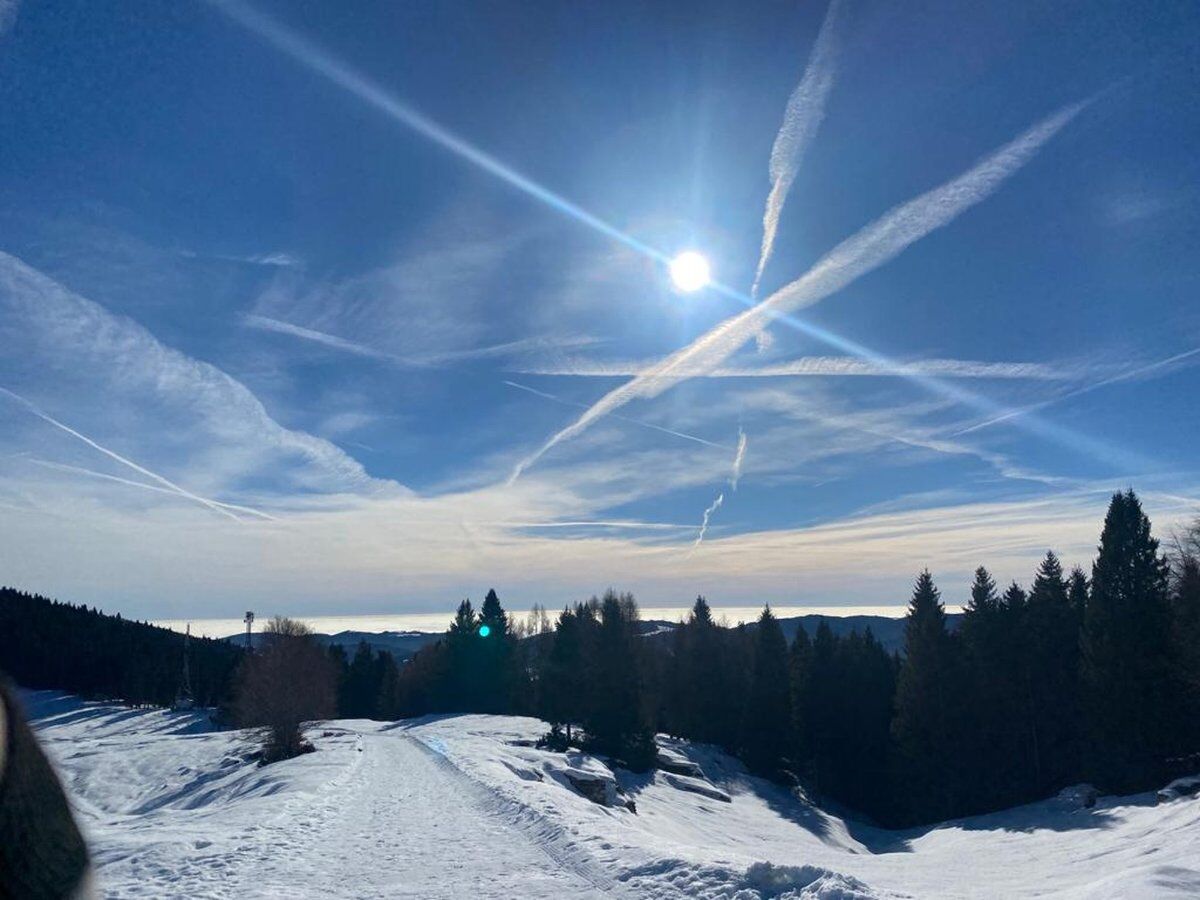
[(690, 271)]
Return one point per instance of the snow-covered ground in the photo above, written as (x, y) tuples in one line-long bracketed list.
[(460, 806)]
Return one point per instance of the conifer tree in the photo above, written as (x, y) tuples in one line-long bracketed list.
[(496, 653), (925, 723), (617, 717), (1051, 670), (1126, 652), (563, 679), (463, 660), (766, 728)]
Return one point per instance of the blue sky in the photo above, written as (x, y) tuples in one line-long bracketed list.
[(268, 339)]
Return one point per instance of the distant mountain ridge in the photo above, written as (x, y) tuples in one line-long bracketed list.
[(403, 645)]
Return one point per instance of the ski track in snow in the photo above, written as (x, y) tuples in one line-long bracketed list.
[(463, 806)]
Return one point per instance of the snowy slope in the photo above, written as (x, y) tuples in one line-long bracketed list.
[(460, 807)]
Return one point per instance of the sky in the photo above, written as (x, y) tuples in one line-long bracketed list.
[(359, 309)]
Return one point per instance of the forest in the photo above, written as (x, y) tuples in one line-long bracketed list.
[(1076, 677)]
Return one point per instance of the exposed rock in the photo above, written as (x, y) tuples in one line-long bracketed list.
[(696, 786), (1180, 787), (670, 761), (1078, 796)]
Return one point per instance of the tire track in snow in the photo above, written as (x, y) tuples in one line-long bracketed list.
[(549, 837)]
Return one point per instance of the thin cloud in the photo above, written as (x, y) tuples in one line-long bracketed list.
[(123, 362), (739, 457), (871, 247), (111, 454), (832, 366), (430, 360), (116, 479), (1139, 372), (638, 422), (801, 119), (8, 14), (708, 514)]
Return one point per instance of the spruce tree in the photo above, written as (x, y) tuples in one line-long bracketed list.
[(925, 725), (1049, 642), (463, 660), (617, 719), (766, 728), (496, 654), (563, 682), (1127, 653)]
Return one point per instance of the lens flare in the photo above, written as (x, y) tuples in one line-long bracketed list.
[(690, 271)]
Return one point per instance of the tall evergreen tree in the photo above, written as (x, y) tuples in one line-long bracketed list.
[(1051, 674), (766, 728), (1126, 661), (925, 724), (563, 681), (496, 653), (617, 717), (463, 660)]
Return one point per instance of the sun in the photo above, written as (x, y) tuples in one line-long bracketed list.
[(690, 271)]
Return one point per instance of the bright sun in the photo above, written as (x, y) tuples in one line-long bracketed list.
[(690, 271)]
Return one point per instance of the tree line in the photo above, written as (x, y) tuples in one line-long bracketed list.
[(45, 643), (1077, 677), (1074, 678)]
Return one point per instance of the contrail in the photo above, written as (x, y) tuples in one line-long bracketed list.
[(184, 492), (678, 434), (79, 470), (521, 345), (832, 366), (369, 92), (373, 94), (801, 119), (708, 513), (869, 248), (1086, 389), (739, 457)]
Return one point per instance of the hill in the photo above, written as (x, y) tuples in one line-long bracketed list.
[(457, 806)]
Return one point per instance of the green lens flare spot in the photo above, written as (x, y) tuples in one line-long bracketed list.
[(485, 630)]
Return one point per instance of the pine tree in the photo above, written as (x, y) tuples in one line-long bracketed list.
[(463, 660), (767, 726), (496, 652), (1051, 667), (1126, 652), (1077, 594), (563, 687), (617, 717), (993, 746), (925, 726)]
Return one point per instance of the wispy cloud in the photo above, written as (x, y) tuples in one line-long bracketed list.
[(79, 344), (874, 245), (739, 457), (111, 454), (826, 366), (8, 14), (638, 422), (1161, 366), (801, 119), (429, 360), (129, 482), (708, 514)]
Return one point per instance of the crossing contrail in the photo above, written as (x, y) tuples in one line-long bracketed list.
[(183, 492), (868, 249)]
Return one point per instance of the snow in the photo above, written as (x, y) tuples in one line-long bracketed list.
[(464, 806)]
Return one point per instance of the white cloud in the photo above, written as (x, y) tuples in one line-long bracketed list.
[(114, 373)]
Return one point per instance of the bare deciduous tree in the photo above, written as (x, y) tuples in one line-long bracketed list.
[(288, 682)]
